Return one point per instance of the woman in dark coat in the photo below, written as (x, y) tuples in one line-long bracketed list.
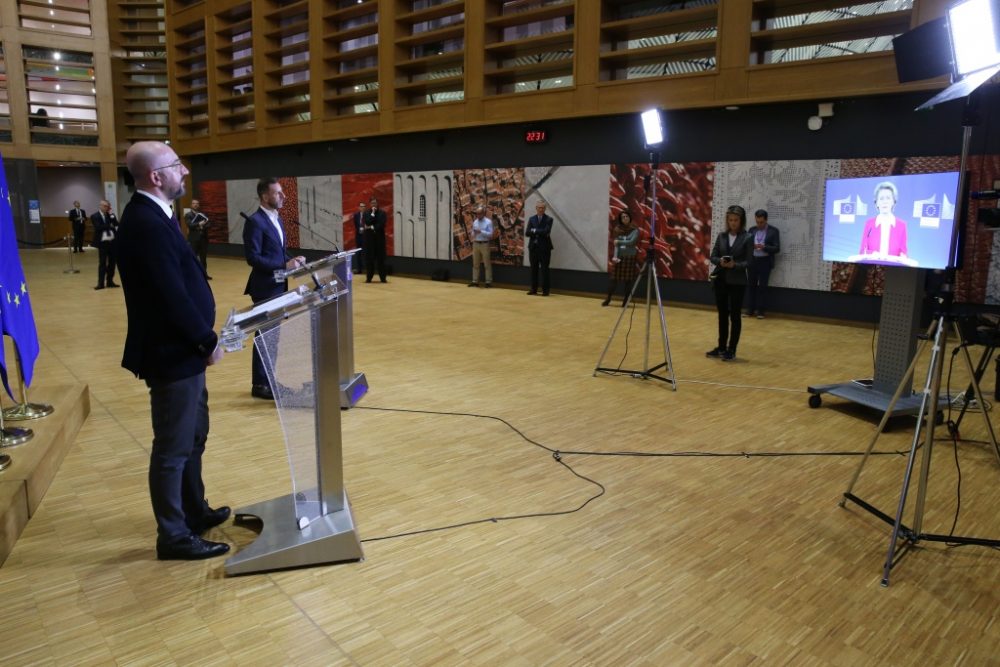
[(622, 267), (730, 256)]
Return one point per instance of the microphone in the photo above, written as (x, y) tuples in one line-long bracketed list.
[(985, 194)]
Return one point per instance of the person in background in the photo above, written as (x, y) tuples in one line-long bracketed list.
[(105, 229), (197, 224), (482, 239), (170, 343), (622, 267), (374, 235), (730, 256), (265, 252), (766, 244), (78, 218), (358, 261), (539, 233)]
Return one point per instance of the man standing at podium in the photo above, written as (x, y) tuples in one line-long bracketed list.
[(170, 342), (264, 248)]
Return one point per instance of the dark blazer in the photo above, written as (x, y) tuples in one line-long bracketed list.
[(194, 221), (265, 253), (100, 227), (359, 237), (772, 243), (540, 232), (171, 309), (77, 219), (741, 251), (376, 218)]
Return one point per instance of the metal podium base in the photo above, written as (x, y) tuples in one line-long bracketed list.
[(26, 411), (352, 390), (869, 397), (5, 461), (332, 538)]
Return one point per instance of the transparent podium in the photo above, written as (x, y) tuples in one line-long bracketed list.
[(337, 266), (298, 335)]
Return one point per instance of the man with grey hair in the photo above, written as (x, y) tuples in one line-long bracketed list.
[(105, 227), (169, 344)]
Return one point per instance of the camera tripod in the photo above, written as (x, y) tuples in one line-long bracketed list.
[(937, 332), (647, 272)]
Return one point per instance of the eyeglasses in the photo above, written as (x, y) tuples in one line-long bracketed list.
[(169, 166)]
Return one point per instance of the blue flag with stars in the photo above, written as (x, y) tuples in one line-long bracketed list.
[(16, 319)]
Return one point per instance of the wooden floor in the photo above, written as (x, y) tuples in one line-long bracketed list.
[(682, 560)]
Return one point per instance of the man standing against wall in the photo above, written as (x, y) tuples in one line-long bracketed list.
[(197, 224), (78, 218), (374, 235), (264, 248), (105, 229), (170, 342), (766, 244), (359, 237), (482, 239), (539, 235)]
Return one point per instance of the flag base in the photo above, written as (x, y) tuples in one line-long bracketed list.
[(26, 411)]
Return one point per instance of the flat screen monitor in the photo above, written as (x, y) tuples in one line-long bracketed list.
[(892, 220)]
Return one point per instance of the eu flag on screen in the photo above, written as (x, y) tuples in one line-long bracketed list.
[(16, 319)]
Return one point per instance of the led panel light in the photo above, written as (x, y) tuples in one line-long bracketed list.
[(973, 35), (652, 127)]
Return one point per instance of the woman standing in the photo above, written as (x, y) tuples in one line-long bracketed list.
[(622, 266), (730, 256)]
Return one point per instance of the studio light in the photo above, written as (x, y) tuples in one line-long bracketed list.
[(973, 35), (652, 125)]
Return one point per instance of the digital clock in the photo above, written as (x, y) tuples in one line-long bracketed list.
[(536, 136)]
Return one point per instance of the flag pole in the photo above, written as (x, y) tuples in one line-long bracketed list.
[(13, 436), (25, 410)]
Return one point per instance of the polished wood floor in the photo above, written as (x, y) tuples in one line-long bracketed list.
[(691, 559)]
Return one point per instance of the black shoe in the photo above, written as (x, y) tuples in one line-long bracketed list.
[(532, 292), (191, 547), (113, 285), (488, 285), (473, 285), (99, 287), (262, 391), (715, 353), (729, 355), (545, 293), (368, 280), (209, 277), (211, 519), (606, 302), (383, 280)]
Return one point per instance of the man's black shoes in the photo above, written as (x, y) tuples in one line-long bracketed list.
[(262, 391), (191, 547), (211, 519)]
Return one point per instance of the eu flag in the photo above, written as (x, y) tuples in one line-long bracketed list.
[(16, 319)]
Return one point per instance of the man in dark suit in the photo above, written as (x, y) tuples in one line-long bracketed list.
[(78, 218), (170, 342), (374, 235), (766, 244), (105, 229), (197, 224), (264, 248), (539, 235), (359, 237)]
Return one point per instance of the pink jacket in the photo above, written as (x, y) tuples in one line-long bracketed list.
[(871, 238)]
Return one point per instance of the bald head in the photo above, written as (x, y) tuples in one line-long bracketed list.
[(156, 169)]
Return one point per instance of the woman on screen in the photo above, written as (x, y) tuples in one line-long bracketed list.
[(885, 234), (730, 255)]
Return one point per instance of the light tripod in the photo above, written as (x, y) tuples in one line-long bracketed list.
[(930, 402), (647, 273)]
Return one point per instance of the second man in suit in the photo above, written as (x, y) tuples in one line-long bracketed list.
[(766, 244), (264, 248), (539, 235), (374, 240), (105, 229)]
